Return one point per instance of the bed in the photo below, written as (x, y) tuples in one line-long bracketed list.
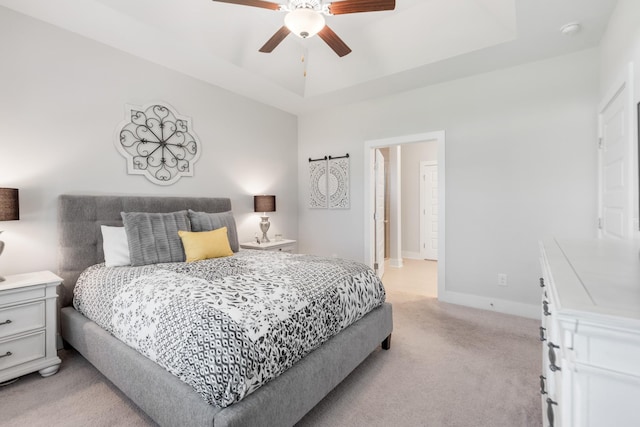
[(169, 401)]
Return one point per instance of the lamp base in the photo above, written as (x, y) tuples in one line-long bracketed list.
[(264, 227)]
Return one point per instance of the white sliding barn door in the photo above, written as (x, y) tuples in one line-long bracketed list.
[(616, 174)]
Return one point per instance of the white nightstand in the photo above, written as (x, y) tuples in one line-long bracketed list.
[(284, 245), (28, 316)]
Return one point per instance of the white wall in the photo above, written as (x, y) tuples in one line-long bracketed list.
[(412, 155), (520, 166), (619, 47), (63, 96)]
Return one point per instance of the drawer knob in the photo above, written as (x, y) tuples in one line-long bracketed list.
[(7, 354), (6, 322), (542, 282)]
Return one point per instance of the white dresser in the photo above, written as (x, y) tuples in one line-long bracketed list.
[(284, 245), (590, 333), (28, 316)]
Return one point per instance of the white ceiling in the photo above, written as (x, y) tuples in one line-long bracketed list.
[(421, 42)]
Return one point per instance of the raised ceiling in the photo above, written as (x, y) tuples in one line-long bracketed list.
[(421, 42)]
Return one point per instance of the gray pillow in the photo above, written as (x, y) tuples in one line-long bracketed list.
[(205, 221), (153, 237)]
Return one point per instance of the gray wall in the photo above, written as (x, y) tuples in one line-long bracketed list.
[(62, 98), (520, 165)]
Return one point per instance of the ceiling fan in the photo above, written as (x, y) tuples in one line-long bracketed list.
[(305, 18)]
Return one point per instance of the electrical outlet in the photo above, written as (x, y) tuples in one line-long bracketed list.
[(502, 279)]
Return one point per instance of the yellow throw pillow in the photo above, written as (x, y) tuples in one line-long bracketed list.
[(199, 245)]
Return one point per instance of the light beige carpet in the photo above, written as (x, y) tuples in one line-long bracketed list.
[(448, 366)]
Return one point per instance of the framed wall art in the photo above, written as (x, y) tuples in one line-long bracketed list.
[(158, 143)]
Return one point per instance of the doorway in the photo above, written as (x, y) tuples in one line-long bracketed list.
[(371, 147)]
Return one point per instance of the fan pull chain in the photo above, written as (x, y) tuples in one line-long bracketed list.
[(303, 60), (304, 66)]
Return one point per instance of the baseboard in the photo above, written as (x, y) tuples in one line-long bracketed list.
[(397, 263), (531, 311), (411, 255)]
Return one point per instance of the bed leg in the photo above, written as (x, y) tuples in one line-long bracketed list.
[(386, 344)]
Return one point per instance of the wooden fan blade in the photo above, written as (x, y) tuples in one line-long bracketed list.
[(357, 6), (254, 3), (334, 41), (275, 40)]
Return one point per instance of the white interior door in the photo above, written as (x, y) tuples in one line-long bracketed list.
[(616, 186), (429, 210), (379, 213)]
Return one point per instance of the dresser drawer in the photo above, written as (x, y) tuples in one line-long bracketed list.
[(21, 350), (21, 318), (21, 295)]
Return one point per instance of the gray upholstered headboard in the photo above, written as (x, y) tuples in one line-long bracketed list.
[(80, 218)]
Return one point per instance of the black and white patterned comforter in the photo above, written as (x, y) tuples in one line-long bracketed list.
[(226, 326)]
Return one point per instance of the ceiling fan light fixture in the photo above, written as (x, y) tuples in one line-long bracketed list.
[(304, 22)]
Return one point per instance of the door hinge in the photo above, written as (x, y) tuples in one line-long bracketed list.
[(600, 223), (375, 266), (600, 143)]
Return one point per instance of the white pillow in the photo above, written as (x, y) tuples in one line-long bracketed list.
[(115, 246)]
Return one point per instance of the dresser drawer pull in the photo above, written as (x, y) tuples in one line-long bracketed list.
[(545, 308), (550, 416), (542, 385), (542, 337), (542, 282), (6, 322), (7, 354), (552, 357)]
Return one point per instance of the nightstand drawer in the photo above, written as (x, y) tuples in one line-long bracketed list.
[(21, 318), (13, 296), (22, 350)]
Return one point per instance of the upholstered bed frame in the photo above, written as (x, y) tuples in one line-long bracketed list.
[(165, 398)]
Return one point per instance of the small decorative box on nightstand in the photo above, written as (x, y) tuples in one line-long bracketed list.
[(284, 245), (28, 316)]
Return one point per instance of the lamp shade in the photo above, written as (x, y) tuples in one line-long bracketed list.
[(9, 206), (264, 203)]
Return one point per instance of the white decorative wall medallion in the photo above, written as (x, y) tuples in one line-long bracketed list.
[(157, 143)]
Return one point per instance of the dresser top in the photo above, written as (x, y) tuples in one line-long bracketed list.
[(596, 276), (29, 279)]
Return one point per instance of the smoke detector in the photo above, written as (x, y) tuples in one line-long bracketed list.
[(570, 29)]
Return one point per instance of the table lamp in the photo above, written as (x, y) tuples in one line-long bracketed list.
[(264, 204), (9, 210)]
